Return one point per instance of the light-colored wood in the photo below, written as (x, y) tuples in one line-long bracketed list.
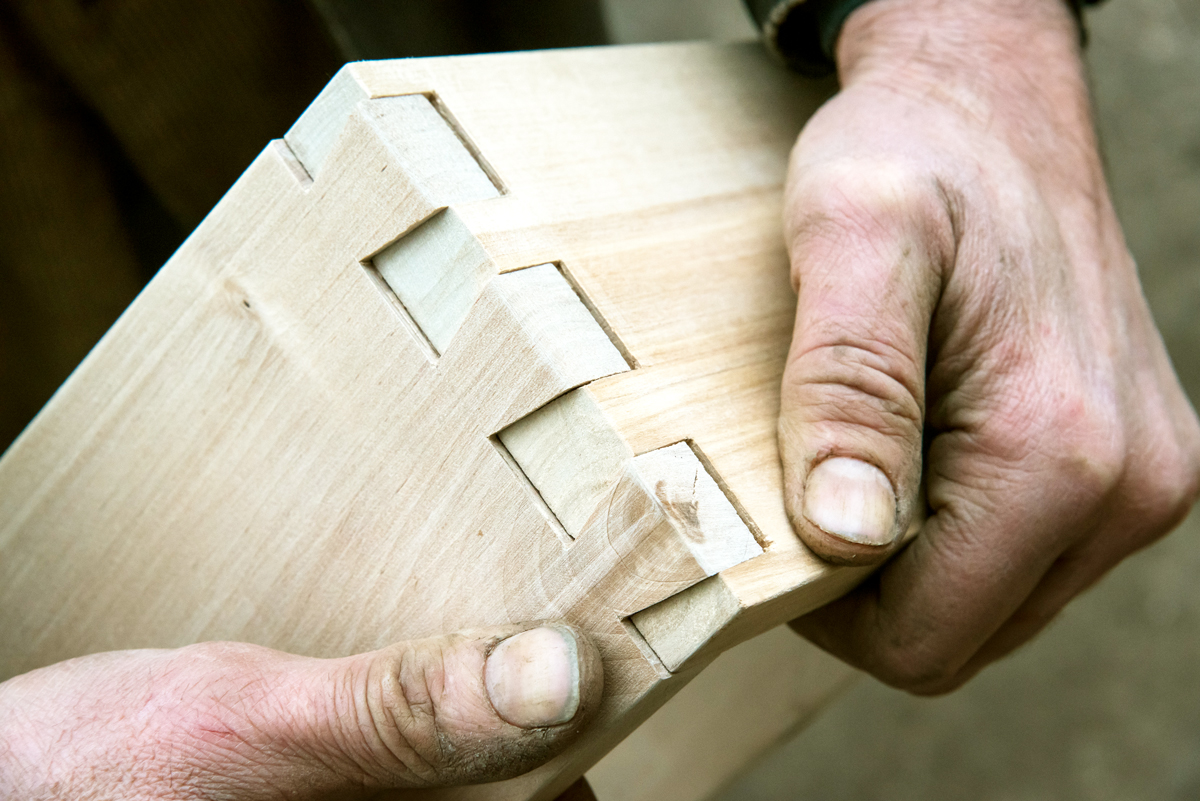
[(342, 413), (749, 700), (436, 272), (570, 429), (697, 507)]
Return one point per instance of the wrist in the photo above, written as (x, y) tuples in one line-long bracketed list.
[(1006, 69), (965, 45)]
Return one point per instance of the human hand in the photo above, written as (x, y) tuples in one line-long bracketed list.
[(965, 292), (234, 721)]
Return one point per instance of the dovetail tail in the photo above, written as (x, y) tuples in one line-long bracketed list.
[(755, 531)]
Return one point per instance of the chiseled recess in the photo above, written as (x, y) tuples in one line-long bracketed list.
[(437, 272), (572, 454), (433, 152), (570, 451), (680, 626), (437, 269)]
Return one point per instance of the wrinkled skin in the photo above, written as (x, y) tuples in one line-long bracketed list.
[(235, 721), (970, 322)]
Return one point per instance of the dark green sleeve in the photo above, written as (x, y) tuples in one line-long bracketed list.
[(803, 33)]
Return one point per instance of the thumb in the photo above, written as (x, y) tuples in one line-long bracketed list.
[(867, 242), (459, 709)]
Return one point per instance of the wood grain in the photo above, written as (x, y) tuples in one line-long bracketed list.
[(481, 340)]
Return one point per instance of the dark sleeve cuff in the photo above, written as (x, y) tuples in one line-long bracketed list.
[(803, 33)]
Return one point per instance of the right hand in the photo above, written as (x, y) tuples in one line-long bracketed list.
[(969, 323)]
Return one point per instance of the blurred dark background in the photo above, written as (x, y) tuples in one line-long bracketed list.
[(123, 121)]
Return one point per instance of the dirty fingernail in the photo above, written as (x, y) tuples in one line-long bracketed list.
[(851, 499), (532, 678)]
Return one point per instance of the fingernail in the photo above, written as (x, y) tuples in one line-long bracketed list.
[(851, 499), (532, 678)]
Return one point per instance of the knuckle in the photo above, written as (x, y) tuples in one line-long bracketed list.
[(856, 184), (201, 681), (867, 197), (395, 709), (1178, 467), (1094, 464), (860, 382), (1148, 473), (918, 671), (1059, 434), (1186, 489), (1163, 486), (207, 710)]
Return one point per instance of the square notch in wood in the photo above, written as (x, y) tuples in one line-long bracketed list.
[(432, 145), (467, 142), (570, 454), (617, 342), (566, 453), (432, 276), (532, 491)]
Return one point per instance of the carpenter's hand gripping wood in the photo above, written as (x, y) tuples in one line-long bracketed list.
[(480, 340)]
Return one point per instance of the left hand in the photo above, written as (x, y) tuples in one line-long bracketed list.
[(234, 721)]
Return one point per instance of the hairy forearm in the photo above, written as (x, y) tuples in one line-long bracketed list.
[(1013, 66), (1014, 72), (1025, 41)]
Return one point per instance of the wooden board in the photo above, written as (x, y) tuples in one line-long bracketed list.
[(480, 340), (750, 700)]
